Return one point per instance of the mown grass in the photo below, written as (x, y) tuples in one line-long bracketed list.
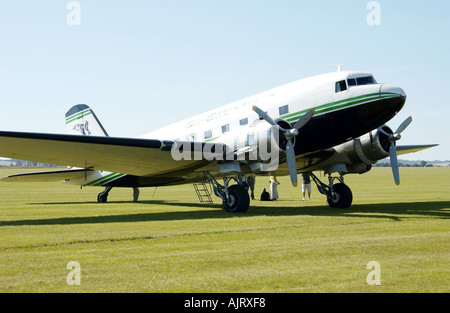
[(170, 243)]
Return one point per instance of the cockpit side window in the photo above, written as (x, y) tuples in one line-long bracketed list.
[(341, 86)]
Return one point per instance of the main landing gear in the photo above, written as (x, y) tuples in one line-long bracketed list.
[(235, 198), (338, 195)]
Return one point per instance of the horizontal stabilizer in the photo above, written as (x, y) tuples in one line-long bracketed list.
[(52, 176)]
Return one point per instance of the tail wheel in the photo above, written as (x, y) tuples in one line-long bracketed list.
[(102, 197), (343, 197), (238, 199)]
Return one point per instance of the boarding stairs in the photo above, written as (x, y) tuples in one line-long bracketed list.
[(203, 192)]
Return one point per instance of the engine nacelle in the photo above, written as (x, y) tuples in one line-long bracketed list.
[(359, 154), (259, 144), (263, 138)]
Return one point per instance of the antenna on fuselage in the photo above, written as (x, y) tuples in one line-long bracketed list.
[(339, 66)]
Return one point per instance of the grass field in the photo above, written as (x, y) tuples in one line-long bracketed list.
[(170, 243)]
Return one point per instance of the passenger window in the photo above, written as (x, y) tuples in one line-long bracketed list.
[(225, 128), (243, 122), (284, 109), (341, 86), (208, 134)]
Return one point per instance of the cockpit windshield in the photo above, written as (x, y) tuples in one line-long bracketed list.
[(358, 81), (354, 81)]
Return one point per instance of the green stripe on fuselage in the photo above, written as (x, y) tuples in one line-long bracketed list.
[(105, 179), (336, 105)]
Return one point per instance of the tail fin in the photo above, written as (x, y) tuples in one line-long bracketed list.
[(81, 120)]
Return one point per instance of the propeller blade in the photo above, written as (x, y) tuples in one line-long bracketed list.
[(304, 119), (403, 125), (264, 115), (394, 163), (292, 163), (289, 134), (382, 130)]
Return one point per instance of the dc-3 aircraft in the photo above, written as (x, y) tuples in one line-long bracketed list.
[(333, 123)]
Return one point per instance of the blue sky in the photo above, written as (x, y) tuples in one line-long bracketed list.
[(144, 64)]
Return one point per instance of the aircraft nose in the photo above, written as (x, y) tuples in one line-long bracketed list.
[(391, 89), (394, 95)]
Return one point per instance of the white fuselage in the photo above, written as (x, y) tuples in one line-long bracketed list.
[(288, 102)]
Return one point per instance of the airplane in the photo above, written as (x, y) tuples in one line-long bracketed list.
[(333, 122)]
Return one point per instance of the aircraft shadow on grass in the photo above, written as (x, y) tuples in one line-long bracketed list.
[(394, 211)]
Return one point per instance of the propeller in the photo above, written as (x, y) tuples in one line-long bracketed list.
[(289, 134), (393, 149)]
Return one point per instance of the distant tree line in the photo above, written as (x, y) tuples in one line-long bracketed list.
[(401, 164), (23, 163)]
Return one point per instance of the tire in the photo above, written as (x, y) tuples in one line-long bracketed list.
[(344, 197), (102, 197), (239, 199)]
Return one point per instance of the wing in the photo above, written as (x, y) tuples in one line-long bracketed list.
[(411, 149), (139, 157)]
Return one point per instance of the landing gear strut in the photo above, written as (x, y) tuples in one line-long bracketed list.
[(235, 197), (338, 195)]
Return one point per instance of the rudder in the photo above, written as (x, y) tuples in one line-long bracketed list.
[(81, 120)]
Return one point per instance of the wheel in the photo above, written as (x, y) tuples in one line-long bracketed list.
[(343, 199), (239, 200), (102, 197)]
